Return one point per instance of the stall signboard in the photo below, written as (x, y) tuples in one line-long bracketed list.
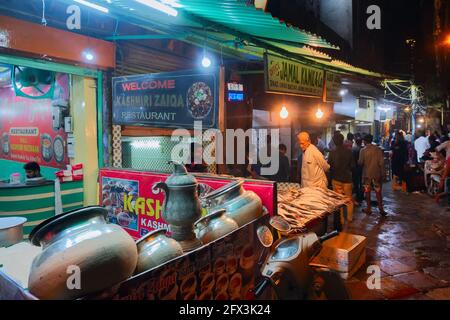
[(291, 77), (235, 92), (134, 204), (28, 131), (332, 87), (167, 100)]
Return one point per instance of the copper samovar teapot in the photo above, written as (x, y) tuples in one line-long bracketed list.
[(182, 207)]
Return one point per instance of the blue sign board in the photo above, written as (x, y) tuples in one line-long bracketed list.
[(235, 96), (167, 100)]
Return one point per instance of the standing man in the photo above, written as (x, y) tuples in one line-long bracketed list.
[(341, 165), (284, 169), (421, 145), (349, 142), (314, 165), (318, 142), (372, 161), (331, 145), (357, 172)]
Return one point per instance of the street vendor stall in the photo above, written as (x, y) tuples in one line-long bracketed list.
[(218, 262), (39, 202), (51, 102)]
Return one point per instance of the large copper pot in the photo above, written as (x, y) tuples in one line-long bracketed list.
[(82, 254), (242, 206)]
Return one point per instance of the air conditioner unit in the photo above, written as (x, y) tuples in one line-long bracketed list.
[(363, 103)]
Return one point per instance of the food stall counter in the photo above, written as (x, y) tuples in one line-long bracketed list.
[(36, 202)]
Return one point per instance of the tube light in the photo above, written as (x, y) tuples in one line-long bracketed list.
[(159, 6), (93, 5), (172, 3)]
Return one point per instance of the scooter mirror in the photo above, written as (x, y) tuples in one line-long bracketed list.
[(265, 236), (280, 224)]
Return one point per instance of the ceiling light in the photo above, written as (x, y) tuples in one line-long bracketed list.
[(206, 62), (319, 114), (159, 6), (93, 5), (284, 113), (88, 55)]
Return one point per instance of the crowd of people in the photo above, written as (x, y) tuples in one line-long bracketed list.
[(354, 166)]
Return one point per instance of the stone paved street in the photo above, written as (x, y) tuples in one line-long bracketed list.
[(411, 245)]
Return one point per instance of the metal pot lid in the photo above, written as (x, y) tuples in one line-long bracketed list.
[(280, 224), (180, 177), (11, 222), (225, 189), (41, 229)]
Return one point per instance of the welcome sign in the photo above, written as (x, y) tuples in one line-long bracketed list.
[(167, 100), (291, 77)]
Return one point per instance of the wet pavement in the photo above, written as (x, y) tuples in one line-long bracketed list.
[(411, 246)]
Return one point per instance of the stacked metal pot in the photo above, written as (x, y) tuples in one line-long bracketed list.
[(83, 254)]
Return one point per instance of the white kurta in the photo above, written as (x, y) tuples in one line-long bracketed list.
[(314, 167)]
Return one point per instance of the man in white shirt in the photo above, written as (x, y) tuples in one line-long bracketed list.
[(444, 146), (421, 145), (314, 165)]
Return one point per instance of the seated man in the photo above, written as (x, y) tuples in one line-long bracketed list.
[(32, 170)]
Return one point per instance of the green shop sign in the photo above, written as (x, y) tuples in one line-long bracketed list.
[(294, 78)]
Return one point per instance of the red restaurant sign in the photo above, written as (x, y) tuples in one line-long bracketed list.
[(26, 127), (133, 204)]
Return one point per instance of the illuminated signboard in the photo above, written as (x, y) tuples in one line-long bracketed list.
[(235, 92)]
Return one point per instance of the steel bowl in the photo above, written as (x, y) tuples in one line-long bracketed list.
[(11, 230)]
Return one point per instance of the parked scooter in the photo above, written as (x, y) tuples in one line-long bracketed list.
[(286, 270)]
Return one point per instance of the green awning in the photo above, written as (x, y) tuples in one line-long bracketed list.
[(243, 17), (232, 25), (232, 16), (348, 68)]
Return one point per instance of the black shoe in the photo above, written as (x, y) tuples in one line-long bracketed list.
[(382, 212)]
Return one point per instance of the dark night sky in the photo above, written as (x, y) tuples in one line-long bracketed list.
[(408, 19), (385, 50)]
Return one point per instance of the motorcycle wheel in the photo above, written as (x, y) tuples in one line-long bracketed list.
[(327, 285)]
